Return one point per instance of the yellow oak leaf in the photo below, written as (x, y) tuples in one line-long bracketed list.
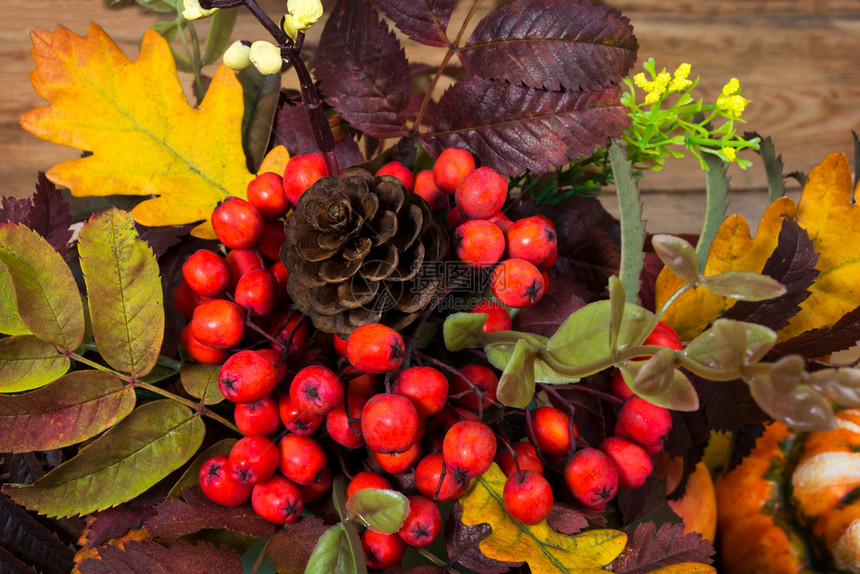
[(145, 138), (544, 549), (827, 212)]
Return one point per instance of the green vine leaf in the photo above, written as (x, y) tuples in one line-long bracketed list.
[(332, 554), (381, 509), (124, 292), (46, 294), (10, 319), (659, 382), (27, 363), (201, 382), (143, 448), (743, 285), (70, 410), (517, 383), (755, 341), (678, 255), (499, 355), (464, 330), (802, 407)]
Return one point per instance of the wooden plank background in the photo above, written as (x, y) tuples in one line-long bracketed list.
[(797, 61)]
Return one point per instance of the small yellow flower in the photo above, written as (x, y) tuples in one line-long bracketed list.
[(735, 104), (732, 88), (193, 11), (729, 152), (302, 14), (679, 79), (640, 81)]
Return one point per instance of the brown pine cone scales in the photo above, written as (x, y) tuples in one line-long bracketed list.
[(361, 249)]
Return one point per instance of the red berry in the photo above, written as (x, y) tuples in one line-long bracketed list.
[(282, 276), (303, 171), (297, 421), (252, 460), (517, 283), (480, 379), (316, 390), (389, 423), (271, 240), (502, 220), (375, 348), (246, 377), (532, 239), (643, 422), (428, 476), (423, 523), (398, 463), (185, 299), (452, 165), (526, 457), (367, 479), (469, 448), (260, 417), (382, 550), (664, 336), (498, 318), (455, 217), (242, 261), (400, 171), (591, 477), (257, 292), (219, 486), (318, 488), (482, 193), (277, 500), (364, 384), (426, 387), (338, 425), (552, 430), (479, 242), (218, 323), (206, 272), (619, 386), (290, 331), (302, 458), (200, 352), (426, 187), (633, 464), (266, 193), (527, 497), (237, 223), (277, 362)]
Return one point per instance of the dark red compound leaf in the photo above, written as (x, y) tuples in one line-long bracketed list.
[(29, 541), (291, 546), (581, 46), (11, 565), (566, 519), (117, 521), (51, 216), (293, 131), (14, 210), (514, 128), (146, 557), (649, 549), (424, 21), (161, 239), (842, 335), (363, 71)]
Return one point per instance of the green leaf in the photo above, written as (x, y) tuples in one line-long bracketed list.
[(517, 383), (716, 194), (338, 498), (45, 291), (678, 255), (70, 410), (191, 477), (124, 292), (583, 338), (756, 341), (143, 448), (260, 93), (220, 27), (842, 385), (27, 363), (743, 285), (201, 382), (10, 319), (630, 216), (380, 509), (499, 355), (616, 315), (802, 408), (464, 330), (659, 382), (332, 554)]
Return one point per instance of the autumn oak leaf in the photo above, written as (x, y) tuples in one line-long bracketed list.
[(145, 138)]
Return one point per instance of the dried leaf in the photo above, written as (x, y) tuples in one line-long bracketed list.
[(547, 315), (553, 44), (124, 292), (566, 519), (150, 443), (362, 70), (201, 382), (28, 540), (145, 557), (70, 410), (424, 21), (50, 215), (28, 363), (133, 116), (650, 548), (544, 549), (119, 521), (513, 128)]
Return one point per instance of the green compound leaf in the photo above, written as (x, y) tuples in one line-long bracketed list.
[(381, 509), (464, 330), (27, 363), (125, 298), (332, 554), (678, 255), (150, 443), (517, 383), (10, 319), (201, 382), (70, 410), (47, 296), (730, 344), (743, 285), (500, 354), (659, 382)]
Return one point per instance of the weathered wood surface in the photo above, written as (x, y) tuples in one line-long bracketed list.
[(797, 61)]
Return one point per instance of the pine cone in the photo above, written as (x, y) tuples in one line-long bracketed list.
[(361, 249)]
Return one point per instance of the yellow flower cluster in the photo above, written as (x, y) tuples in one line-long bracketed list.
[(663, 83), (730, 153), (731, 100)]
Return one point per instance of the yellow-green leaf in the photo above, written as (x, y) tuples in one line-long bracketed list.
[(146, 139), (143, 448), (45, 292), (27, 363), (10, 319), (201, 382), (124, 292), (70, 410), (544, 549)]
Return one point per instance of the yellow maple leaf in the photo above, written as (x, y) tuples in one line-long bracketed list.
[(544, 549), (146, 139), (827, 212)]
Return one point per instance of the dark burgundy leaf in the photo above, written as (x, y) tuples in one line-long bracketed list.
[(552, 44), (424, 21), (362, 70), (426, 570), (648, 503), (462, 543), (177, 518), (843, 334), (792, 263), (649, 549), (563, 298), (145, 557), (566, 519), (31, 542), (11, 565), (513, 128), (117, 521), (293, 131), (743, 441), (23, 468), (291, 546), (160, 239), (14, 210), (648, 281), (51, 216)]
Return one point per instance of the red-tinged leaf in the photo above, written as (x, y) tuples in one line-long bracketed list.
[(462, 542), (30, 541), (23, 468), (555, 44), (50, 215), (546, 316), (792, 263), (362, 70), (28, 363), (160, 239), (566, 519), (513, 128), (145, 557), (13, 210), (293, 131), (11, 565), (116, 522), (840, 336), (176, 518), (70, 410), (424, 21), (426, 570), (650, 548), (291, 546)]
